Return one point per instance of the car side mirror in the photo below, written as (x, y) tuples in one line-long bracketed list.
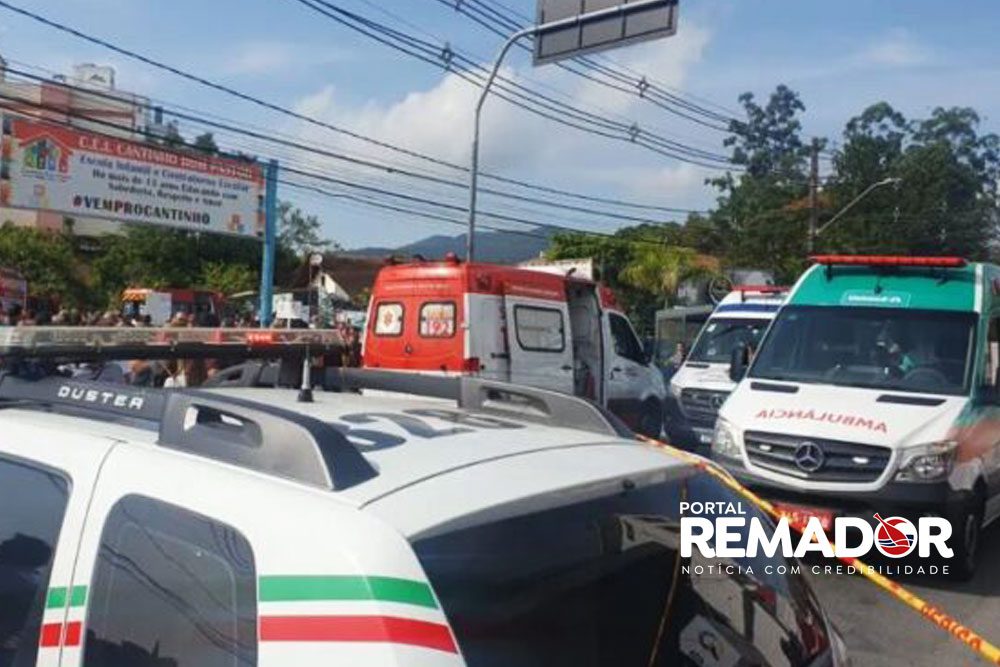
[(739, 359)]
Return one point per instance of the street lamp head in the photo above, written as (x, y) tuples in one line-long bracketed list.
[(315, 259), (892, 180)]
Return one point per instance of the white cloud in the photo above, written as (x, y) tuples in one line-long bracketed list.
[(437, 121), (898, 48)]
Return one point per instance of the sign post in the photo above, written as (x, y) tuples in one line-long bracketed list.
[(569, 28), (270, 243)]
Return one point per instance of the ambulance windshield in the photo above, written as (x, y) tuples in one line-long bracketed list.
[(895, 349), (722, 335)]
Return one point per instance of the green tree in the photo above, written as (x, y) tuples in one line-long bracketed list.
[(761, 217), (300, 233), (946, 202), (205, 143), (228, 278), (172, 137), (46, 260), (637, 262), (661, 269)]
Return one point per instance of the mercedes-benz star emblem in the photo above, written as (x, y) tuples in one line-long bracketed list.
[(809, 457), (717, 400)]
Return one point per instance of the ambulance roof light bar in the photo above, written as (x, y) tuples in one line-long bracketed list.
[(890, 260), (762, 290)]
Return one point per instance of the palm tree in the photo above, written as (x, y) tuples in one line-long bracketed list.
[(661, 269)]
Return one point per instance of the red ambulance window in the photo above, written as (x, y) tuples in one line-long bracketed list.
[(437, 319), (389, 319)]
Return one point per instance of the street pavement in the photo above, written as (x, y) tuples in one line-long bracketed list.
[(883, 632)]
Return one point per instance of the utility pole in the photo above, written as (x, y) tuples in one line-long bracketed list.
[(813, 195)]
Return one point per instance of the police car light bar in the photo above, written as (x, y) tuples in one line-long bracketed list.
[(87, 343), (890, 260)]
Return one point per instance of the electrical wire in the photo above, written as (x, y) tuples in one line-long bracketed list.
[(443, 57), (326, 178), (271, 138), (271, 106)]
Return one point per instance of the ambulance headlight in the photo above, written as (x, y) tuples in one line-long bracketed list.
[(927, 463), (724, 440), (675, 391)]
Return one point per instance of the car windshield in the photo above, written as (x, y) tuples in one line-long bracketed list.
[(722, 335), (881, 348)]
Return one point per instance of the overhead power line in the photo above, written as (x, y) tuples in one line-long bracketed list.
[(608, 73), (355, 160), (591, 70), (8, 102), (444, 57), (271, 106)]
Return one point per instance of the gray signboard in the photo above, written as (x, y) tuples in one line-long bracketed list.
[(568, 28)]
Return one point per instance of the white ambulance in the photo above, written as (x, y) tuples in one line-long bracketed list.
[(701, 384), (444, 522), (875, 390)]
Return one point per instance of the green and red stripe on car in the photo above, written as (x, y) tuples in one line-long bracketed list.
[(324, 617)]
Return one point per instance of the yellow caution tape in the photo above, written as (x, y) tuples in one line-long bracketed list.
[(976, 642)]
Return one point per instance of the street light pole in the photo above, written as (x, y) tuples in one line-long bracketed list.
[(470, 244), (513, 39), (864, 193)]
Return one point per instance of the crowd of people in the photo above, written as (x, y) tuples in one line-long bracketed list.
[(174, 372), (71, 317)]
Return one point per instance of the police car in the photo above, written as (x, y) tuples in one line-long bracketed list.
[(385, 519)]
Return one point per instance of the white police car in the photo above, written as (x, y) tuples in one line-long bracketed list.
[(461, 522)]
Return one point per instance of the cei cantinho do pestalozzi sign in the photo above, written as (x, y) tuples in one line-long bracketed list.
[(87, 175)]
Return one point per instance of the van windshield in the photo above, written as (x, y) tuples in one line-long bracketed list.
[(721, 335), (920, 351)]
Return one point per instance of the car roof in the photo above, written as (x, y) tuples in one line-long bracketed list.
[(410, 438), (434, 465)]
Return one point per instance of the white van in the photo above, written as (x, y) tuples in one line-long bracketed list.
[(876, 390), (702, 383)]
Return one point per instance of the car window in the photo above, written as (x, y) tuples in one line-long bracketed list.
[(389, 319), (32, 506), (599, 583), (626, 344), (437, 319), (539, 329), (171, 588)]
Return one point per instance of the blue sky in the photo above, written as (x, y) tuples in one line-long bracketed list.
[(840, 56)]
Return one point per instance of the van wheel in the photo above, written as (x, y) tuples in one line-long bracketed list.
[(651, 419), (967, 527)]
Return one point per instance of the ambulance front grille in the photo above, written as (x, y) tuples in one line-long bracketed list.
[(701, 406), (837, 461)]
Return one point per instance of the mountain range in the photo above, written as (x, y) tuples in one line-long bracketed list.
[(491, 246)]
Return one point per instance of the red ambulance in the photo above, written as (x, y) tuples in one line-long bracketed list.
[(515, 325)]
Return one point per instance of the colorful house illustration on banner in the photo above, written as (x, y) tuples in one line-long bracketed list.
[(46, 153)]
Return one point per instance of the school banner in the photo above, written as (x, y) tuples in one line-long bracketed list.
[(87, 175)]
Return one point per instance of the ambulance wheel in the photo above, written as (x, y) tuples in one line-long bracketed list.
[(651, 419), (967, 526)]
